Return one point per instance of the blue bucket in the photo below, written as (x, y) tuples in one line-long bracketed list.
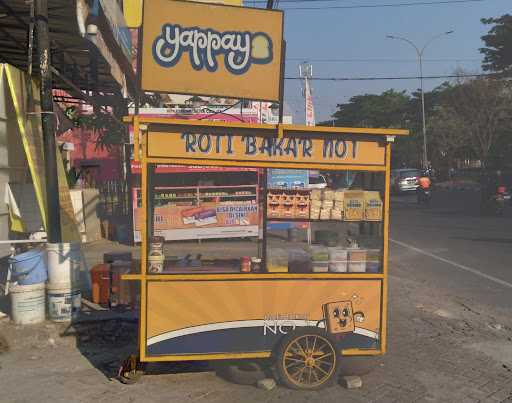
[(29, 267)]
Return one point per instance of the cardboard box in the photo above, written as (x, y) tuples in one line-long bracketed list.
[(353, 205), (372, 206)]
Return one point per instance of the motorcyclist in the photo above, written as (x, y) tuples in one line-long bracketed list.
[(424, 184)]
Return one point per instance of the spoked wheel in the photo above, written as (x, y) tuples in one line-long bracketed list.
[(307, 359), (131, 370)]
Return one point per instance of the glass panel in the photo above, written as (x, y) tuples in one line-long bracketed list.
[(225, 220), (336, 227)]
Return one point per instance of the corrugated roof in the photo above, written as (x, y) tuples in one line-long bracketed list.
[(72, 54)]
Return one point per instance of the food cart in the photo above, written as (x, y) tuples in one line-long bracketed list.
[(303, 306)]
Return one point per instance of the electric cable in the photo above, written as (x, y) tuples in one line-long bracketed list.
[(394, 78), (387, 5)]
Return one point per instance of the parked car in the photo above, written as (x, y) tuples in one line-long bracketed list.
[(317, 182), (405, 179)]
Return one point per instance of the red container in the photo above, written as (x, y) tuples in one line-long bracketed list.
[(100, 279)]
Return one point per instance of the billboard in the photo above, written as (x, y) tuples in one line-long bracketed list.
[(211, 49)]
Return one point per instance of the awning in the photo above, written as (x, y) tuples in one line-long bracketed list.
[(96, 63)]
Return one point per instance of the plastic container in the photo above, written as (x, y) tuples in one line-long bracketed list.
[(338, 266), (319, 253), (63, 263), (320, 267), (373, 259), (29, 267), (121, 290), (357, 261), (27, 303), (64, 302), (337, 253), (299, 261), (100, 279)]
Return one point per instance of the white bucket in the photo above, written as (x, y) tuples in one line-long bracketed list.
[(27, 303), (64, 302), (64, 263)]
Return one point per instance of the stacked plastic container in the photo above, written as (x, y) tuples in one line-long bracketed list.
[(27, 287), (63, 288)]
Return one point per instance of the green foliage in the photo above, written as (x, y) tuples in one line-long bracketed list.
[(391, 109), (110, 131), (388, 109), (498, 44), (469, 119)]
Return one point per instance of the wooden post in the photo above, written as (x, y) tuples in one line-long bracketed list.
[(48, 123)]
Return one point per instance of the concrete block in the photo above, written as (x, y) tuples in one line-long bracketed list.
[(352, 382), (266, 384)]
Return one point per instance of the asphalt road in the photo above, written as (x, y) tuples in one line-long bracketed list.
[(450, 247)]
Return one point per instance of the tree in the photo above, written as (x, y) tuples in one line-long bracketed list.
[(475, 114), (391, 109), (498, 42), (385, 110)]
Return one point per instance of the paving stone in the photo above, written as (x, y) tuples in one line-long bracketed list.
[(266, 384)]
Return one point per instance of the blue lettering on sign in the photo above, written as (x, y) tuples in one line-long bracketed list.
[(250, 145), (297, 148), (240, 49)]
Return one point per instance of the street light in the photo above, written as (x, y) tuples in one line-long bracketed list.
[(419, 52)]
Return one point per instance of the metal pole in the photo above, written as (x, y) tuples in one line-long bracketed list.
[(425, 156), (47, 122), (420, 59), (281, 83)]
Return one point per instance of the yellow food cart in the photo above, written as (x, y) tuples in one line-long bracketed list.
[(302, 303)]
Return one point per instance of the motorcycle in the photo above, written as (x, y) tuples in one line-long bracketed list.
[(495, 203), (424, 195), (499, 200)]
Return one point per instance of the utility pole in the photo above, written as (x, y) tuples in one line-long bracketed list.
[(48, 123), (419, 53)]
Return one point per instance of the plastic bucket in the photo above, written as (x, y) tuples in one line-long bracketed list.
[(29, 267), (64, 302), (27, 304), (63, 263)]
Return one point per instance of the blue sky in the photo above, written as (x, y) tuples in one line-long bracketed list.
[(360, 34)]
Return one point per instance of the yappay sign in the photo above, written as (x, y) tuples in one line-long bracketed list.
[(211, 49)]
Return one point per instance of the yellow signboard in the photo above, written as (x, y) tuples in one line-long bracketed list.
[(211, 49), (265, 150)]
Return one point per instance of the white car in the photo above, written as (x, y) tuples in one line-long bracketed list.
[(317, 182), (405, 179)]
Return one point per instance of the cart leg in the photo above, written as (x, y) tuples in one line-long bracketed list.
[(131, 370)]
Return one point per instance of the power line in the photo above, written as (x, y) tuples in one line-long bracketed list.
[(327, 60), (389, 5), (393, 78)]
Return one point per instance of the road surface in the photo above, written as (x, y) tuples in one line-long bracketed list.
[(450, 246)]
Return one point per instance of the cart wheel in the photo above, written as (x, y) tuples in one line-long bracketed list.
[(131, 370), (307, 359)]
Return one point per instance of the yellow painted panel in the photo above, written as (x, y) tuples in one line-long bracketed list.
[(211, 49), (303, 150), (178, 305)]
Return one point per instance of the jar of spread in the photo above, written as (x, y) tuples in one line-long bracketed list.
[(245, 266), (255, 264)]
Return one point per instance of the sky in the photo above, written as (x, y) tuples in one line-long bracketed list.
[(361, 34)]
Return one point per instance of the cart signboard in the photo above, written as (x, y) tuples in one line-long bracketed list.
[(298, 150), (211, 49)]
